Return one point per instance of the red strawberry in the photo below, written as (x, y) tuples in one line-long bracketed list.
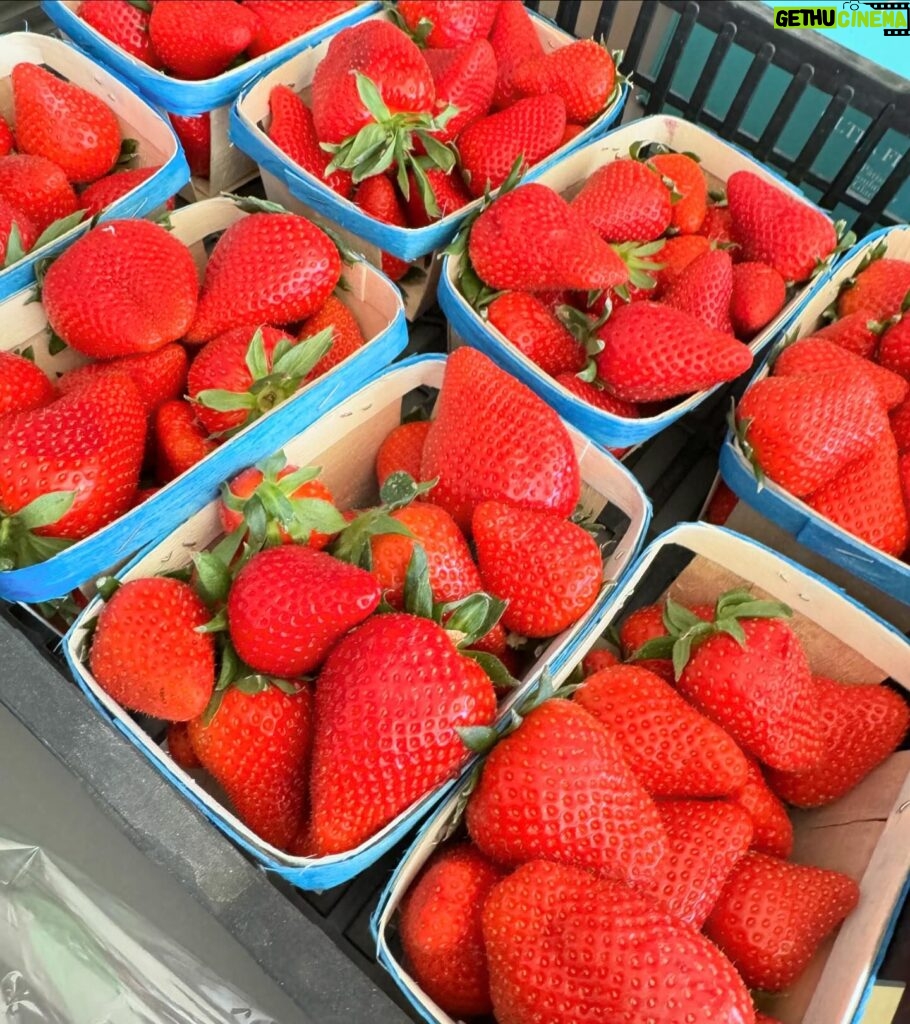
[(64, 123), (159, 376), (195, 135), (904, 469), (28, 234), (718, 227), (582, 73), (565, 947), (200, 38), (772, 828), (7, 139), (530, 326), (689, 183), (877, 291), (514, 39), (293, 132), (856, 333), (448, 190), (180, 442), (347, 336), (625, 201), (597, 396), (124, 24), (652, 352), (894, 350), (572, 131), (531, 128), (704, 289), (266, 268), (38, 188), (402, 451), (451, 22), (440, 928), (465, 76), (772, 916), (155, 615), (390, 698), (566, 251), (547, 569), (861, 726), (802, 431), (759, 294), (900, 425), (280, 21), (722, 503), (23, 385), (647, 624), (180, 748), (559, 788), (597, 660), (705, 839), (107, 190), (675, 255), (494, 439), (671, 748), (775, 227), (379, 197)]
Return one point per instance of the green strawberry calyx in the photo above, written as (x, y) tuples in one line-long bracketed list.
[(234, 674), (584, 329), (641, 268), (419, 33), (20, 546), (685, 630)]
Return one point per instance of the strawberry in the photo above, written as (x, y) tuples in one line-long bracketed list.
[(7, 139), (564, 947), (38, 188), (625, 200), (527, 323), (674, 256), (900, 425), (160, 376), (121, 264), (647, 624), (347, 336), (197, 39), (904, 469), (378, 197), (690, 184), (878, 291), (597, 660), (861, 726), (266, 268), (293, 132), (772, 916), (856, 333), (704, 290), (772, 829), (672, 749), (155, 614), (559, 788), (195, 135), (280, 21), (598, 396), (705, 839), (107, 190), (464, 76), (440, 928), (547, 569), (572, 131), (451, 22), (23, 385), (179, 441), (529, 129), (448, 190), (402, 451), (817, 355), (124, 24), (567, 252), (514, 39), (10, 217), (652, 352), (180, 748), (802, 431), (494, 439), (64, 123), (718, 227), (775, 227), (759, 294), (390, 697), (894, 350), (722, 503), (582, 74)]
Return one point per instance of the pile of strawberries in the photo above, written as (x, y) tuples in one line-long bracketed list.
[(320, 665), (265, 321), (831, 425), (66, 139), (638, 290), (627, 849), (388, 121)]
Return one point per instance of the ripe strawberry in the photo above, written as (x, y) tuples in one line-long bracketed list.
[(597, 660), (266, 268), (904, 470), (894, 350), (861, 726), (772, 916), (38, 188), (704, 290), (900, 425), (142, 620), (625, 200), (718, 227), (347, 336), (64, 123), (514, 39), (566, 252), (802, 431), (559, 788), (465, 76), (563, 947), (107, 190), (530, 326), (775, 227), (160, 376), (390, 697), (451, 22), (598, 396), (759, 294), (494, 439), (856, 333), (179, 440), (582, 74), (124, 24), (530, 128), (677, 253), (689, 183), (379, 197), (646, 624), (652, 352), (195, 135), (772, 829), (200, 38), (7, 139), (673, 750), (180, 748), (817, 355), (280, 21), (440, 928), (28, 234), (293, 132), (547, 569), (722, 503), (23, 385), (402, 451), (572, 131), (705, 839), (448, 190), (877, 291)]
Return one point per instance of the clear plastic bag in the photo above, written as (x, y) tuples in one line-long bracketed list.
[(71, 953)]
